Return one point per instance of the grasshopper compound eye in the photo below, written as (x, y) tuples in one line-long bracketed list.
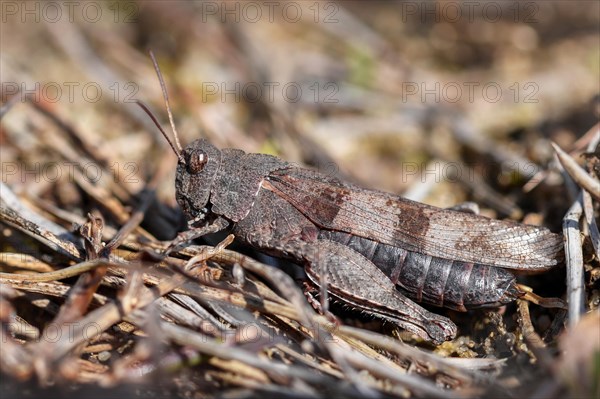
[(197, 161)]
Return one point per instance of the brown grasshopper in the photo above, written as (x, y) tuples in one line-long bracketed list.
[(365, 244)]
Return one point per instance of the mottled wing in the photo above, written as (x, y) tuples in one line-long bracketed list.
[(413, 226)]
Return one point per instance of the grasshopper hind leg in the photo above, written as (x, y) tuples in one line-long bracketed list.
[(355, 280)]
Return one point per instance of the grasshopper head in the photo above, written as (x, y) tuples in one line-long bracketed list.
[(196, 172)]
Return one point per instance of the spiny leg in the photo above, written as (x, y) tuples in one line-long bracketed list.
[(354, 279)]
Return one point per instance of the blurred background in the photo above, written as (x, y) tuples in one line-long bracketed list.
[(407, 97)]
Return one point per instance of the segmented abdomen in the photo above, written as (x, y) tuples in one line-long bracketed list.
[(436, 281)]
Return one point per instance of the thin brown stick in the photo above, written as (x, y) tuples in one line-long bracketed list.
[(577, 173), (574, 261), (80, 296), (530, 296), (535, 343), (136, 218), (69, 248), (61, 274)]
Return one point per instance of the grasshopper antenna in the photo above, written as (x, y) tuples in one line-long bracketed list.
[(151, 115), (177, 147)]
